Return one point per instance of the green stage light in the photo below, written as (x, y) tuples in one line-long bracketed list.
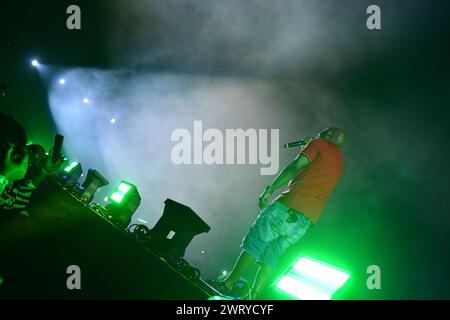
[(312, 280), (301, 290), (70, 174), (124, 200), (218, 298), (325, 274), (70, 167), (120, 192)]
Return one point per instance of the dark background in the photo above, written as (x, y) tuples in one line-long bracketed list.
[(389, 89)]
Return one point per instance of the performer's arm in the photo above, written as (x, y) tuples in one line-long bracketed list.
[(299, 163)]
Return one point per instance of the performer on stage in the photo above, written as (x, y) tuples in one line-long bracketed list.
[(311, 177)]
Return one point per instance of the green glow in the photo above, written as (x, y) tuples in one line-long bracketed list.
[(328, 275), (120, 192), (301, 290), (70, 166), (312, 280), (218, 298)]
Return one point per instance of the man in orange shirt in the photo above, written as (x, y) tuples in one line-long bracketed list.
[(311, 177)]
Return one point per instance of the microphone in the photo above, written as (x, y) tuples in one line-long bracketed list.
[(298, 143)]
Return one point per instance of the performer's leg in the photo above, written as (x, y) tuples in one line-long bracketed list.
[(263, 279), (255, 242), (243, 264), (261, 234), (294, 227)]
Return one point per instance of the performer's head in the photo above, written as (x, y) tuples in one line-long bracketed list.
[(335, 135)]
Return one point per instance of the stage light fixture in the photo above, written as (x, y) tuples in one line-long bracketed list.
[(94, 181), (70, 167), (34, 63), (218, 298), (120, 192), (124, 200), (62, 81), (309, 279), (113, 120), (86, 100), (69, 175)]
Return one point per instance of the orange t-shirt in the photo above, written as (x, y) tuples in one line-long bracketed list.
[(309, 190)]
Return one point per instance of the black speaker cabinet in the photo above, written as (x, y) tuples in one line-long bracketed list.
[(176, 228)]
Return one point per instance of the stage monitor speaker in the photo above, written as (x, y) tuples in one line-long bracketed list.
[(176, 228)]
